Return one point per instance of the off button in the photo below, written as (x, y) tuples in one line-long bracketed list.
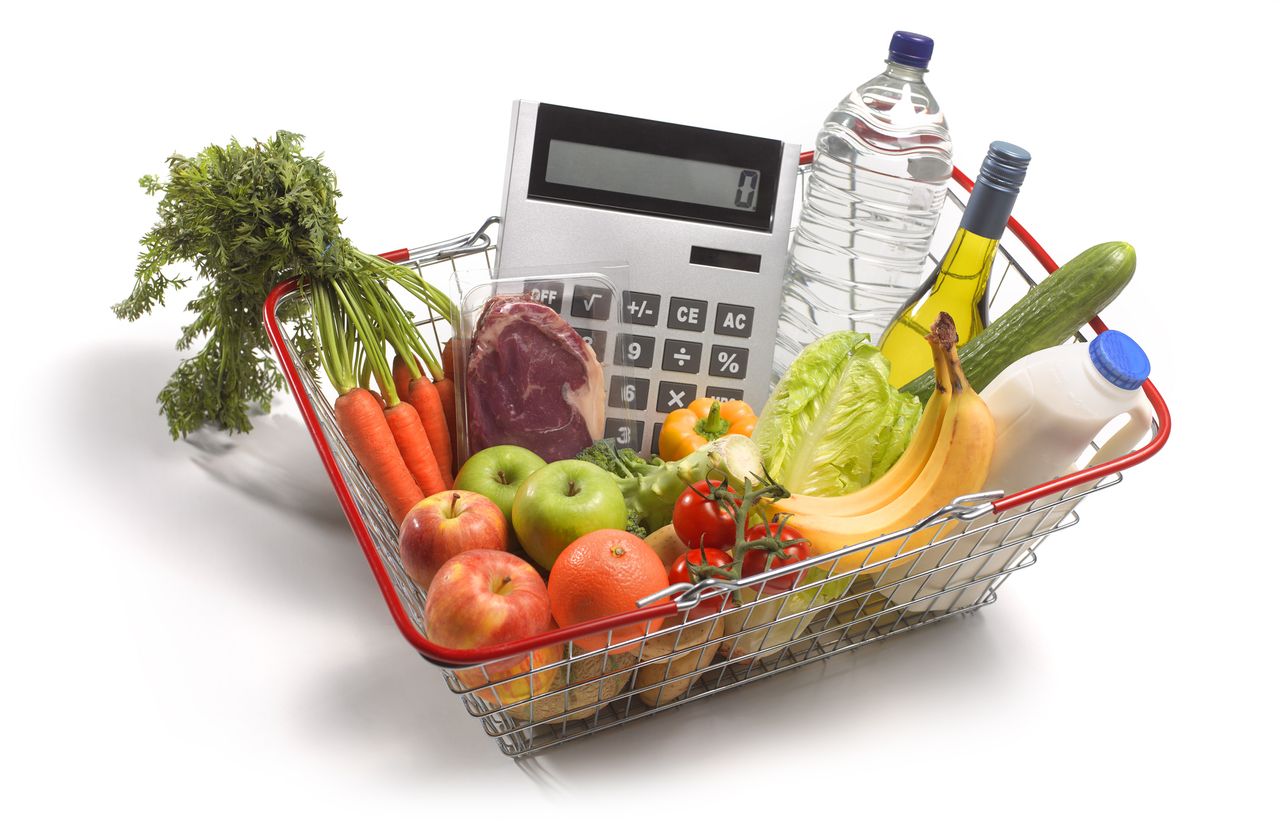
[(735, 321)]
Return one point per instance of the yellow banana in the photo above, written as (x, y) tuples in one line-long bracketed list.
[(957, 466), (891, 485)]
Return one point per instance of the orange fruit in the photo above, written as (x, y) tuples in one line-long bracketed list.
[(601, 574)]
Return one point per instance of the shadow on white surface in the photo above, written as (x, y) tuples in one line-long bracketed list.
[(269, 530)]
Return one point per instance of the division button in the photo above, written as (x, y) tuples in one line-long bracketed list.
[(734, 321), (723, 394), (640, 308), (596, 339), (672, 396), (626, 433), (547, 292), (728, 361), (686, 314), (681, 355), (594, 302), (634, 350), (628, 392)]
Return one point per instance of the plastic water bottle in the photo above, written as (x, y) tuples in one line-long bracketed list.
[(875, 192)]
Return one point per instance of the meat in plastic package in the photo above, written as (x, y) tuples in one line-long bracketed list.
[(532, 363)]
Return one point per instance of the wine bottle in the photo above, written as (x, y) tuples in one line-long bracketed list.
[(958, 285)]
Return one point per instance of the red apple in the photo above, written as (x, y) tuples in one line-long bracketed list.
[(444, 525), (484, 597)]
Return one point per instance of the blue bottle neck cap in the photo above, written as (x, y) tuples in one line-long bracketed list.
[(1119, 359), (1005, 167), (911, 49)]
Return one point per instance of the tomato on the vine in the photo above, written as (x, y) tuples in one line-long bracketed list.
[(754, 561), (700, 522), (679, 573), (698, 557)]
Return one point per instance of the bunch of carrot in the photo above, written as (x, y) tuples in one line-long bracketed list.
[(400, 433)]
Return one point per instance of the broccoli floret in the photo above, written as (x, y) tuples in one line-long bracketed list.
[(635, 526), (650, 487)]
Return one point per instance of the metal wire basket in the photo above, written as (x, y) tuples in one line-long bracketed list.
[(717, 635)]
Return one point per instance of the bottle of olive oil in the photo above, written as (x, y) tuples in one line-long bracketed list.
[(958, 285)]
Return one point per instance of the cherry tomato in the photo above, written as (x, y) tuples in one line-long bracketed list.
[(703, 523), (699, 557), (680, 566), (754, 562)]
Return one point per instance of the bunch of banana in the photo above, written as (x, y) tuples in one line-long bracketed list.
[(948, 457)]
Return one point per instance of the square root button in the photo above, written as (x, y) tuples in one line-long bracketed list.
[(592, 302), (735, 321), (681, 355)]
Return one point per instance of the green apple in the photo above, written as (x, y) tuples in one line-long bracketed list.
[(497, 472), (561, 502)]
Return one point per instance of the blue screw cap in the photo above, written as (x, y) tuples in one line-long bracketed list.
[(1005, 166), (911, 49), (1119, 359)]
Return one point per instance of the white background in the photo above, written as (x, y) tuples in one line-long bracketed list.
[(179, 648)]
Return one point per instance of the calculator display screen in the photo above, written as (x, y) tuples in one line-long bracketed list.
[(605, 168), (629, 164)]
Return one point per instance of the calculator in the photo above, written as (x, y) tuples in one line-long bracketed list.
[(700, 217)]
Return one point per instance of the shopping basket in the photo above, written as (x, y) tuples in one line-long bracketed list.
[(717, 635)]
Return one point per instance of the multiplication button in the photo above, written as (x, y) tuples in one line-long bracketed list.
[(687, 315), (547, 292), (728, 361), (640, 308), (628, 392), (593, 302), (634, 350), (734, 321), (595, 338), (681, 355), (672, 396), (626, 433)]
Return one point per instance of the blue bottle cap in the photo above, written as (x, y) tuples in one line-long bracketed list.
[(1119, 359), (911, 49), (1005, 167)]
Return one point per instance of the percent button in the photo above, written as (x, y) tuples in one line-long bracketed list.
[(728, 361)]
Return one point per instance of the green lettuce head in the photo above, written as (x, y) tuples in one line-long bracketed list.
[(834, 423)]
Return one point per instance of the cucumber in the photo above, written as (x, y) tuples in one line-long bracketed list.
[(1046, 316)]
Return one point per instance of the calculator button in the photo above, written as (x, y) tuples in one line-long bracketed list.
[(687, 315), (626, 433), (657, 433), (640, 308), (728, 361), (634, 350), (628, 392), (547, 292), (672, 396), (723, 395), (595, 338), (594, 302), (681, 355), (734, 321)]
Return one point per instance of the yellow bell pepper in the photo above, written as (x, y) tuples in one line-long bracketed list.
[(686, 430)]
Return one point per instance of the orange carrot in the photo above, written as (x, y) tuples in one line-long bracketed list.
[(446, 359), (424, 398), (444, 388), (401, 374), (364, 425), (415, 448)]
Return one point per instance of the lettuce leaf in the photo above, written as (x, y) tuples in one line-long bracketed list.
[(834, 423)]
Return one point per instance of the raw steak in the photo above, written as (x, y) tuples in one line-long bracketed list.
[(532, 381)]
